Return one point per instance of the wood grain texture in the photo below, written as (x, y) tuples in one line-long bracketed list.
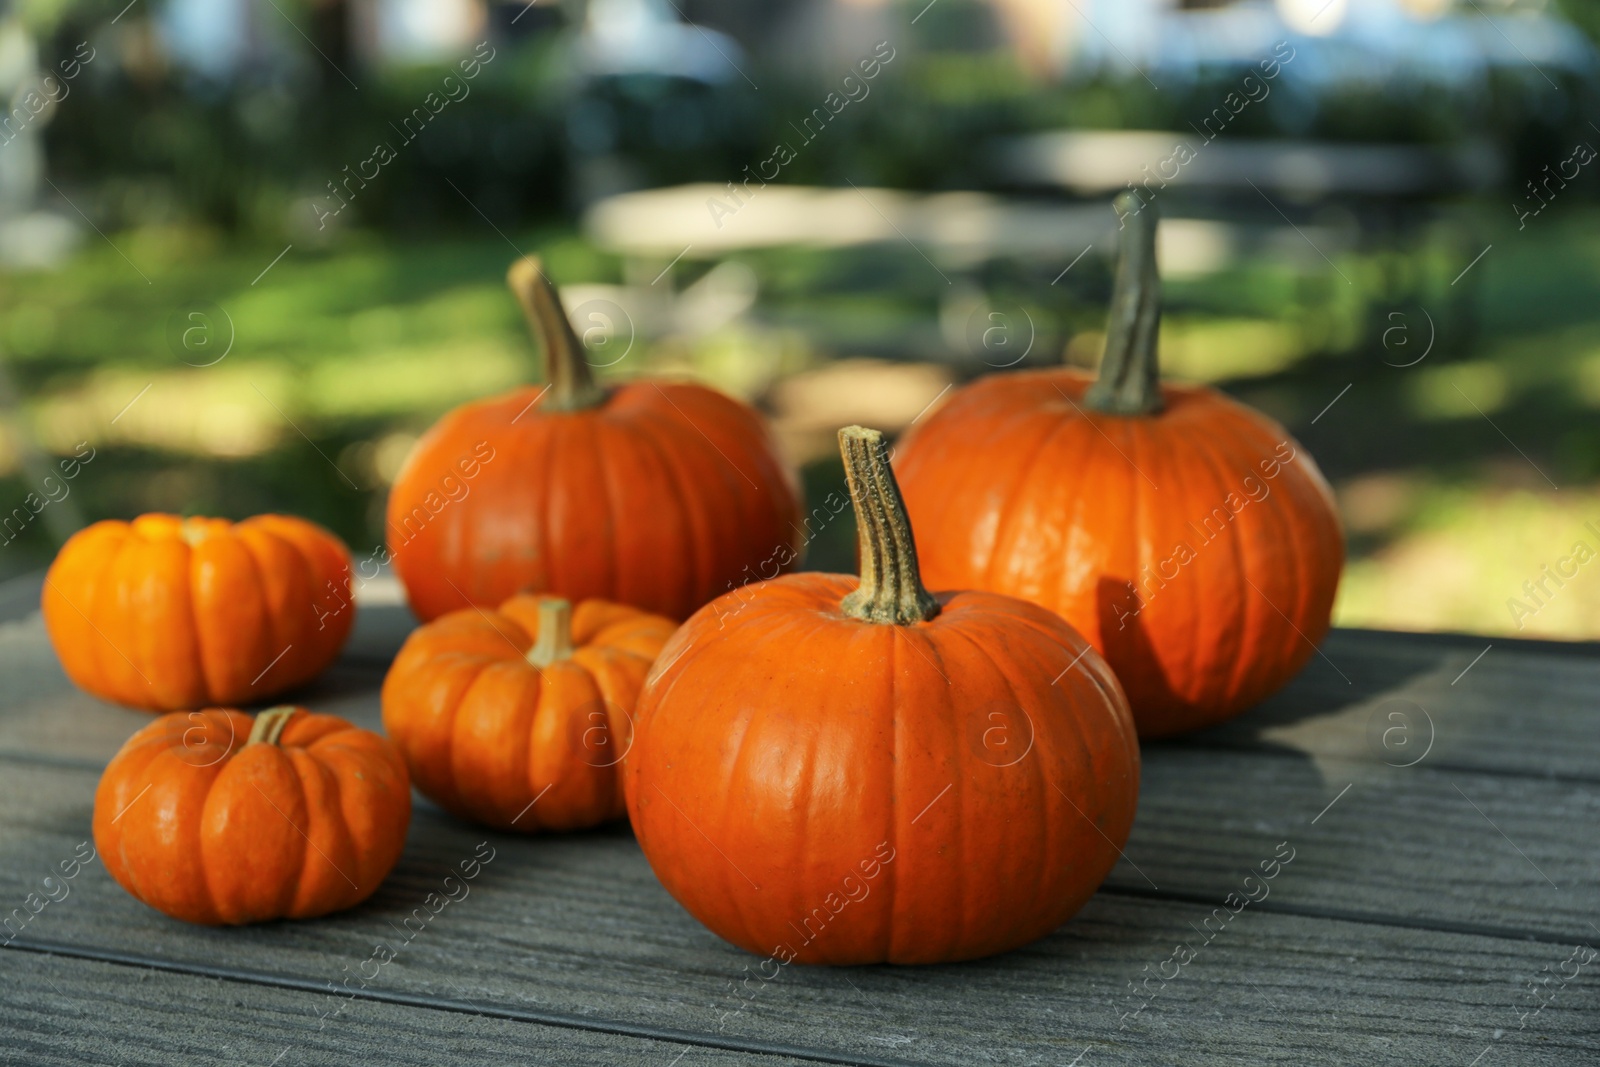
[(577, 928), (19, 596), (73, 1012), (1512, 712), (44, 717), (1523, 708), (1438, 846), (1418, 908), (1434, 847)]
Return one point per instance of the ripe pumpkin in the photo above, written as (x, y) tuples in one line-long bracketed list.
[(1188, 536), (839, 771), (657, 494), (519, 717), (214, 818), (166, 612)]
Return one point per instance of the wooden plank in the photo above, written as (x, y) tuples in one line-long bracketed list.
[(577, 927), (1524, 707), (74, 1011), (1433, 843), (44, 716), (1528, 707), (1443, 848), (1446, 850), (19, 596), (1437, 861)]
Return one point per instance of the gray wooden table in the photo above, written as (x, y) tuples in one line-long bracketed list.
[(1442, 810)]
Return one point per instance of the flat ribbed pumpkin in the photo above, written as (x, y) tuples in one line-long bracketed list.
[(520, 717), (212, 817), (652, 493), (166, 612), (1189, 537), (845, 771)]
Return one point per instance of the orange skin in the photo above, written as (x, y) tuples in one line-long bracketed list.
[(166, 613), (495, 739), (798, 772), (198, 824), (662, 496), (1017, 486)]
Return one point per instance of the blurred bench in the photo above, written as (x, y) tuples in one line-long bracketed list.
[(1103, 162)]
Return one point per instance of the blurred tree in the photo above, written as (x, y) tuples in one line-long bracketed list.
[(1584, 14)]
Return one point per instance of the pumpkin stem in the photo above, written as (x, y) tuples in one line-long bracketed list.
[(269, 725), (1130, 371), (566, 365), (555, 633), (891, 589)]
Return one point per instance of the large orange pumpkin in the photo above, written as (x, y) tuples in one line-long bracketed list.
[(657, 494), (212, 817), (1189, 537), (521, 717), (840, 771), (167, 612)]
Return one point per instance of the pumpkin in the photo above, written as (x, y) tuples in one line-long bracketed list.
[(166, 612), (215, 818), (520, 717), (1188, 536), (652, 493), (839, 771)]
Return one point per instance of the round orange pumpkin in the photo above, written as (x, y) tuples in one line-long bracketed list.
[(1189, 537), (846, 772), (520, 717), (215, 818), (167, 612), (657, 494)]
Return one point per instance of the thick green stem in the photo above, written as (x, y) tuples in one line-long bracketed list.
[(554, 642), (891, 589), (572, 385), (1130, 373), (269, 725)]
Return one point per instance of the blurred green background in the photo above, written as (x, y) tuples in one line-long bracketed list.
[(1393, 250)]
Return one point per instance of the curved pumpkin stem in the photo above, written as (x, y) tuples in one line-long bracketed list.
[(555, 634), (572, 385), (1130, 371), (891, 589), (269, 725)]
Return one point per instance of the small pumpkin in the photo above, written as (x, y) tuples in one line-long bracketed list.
[(166, 613), (839, 771), (520, 717), (212, 817), (1188, 536), (652, 493)]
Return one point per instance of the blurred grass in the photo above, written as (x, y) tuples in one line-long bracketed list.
[(1458, 477), (1463, 554)]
